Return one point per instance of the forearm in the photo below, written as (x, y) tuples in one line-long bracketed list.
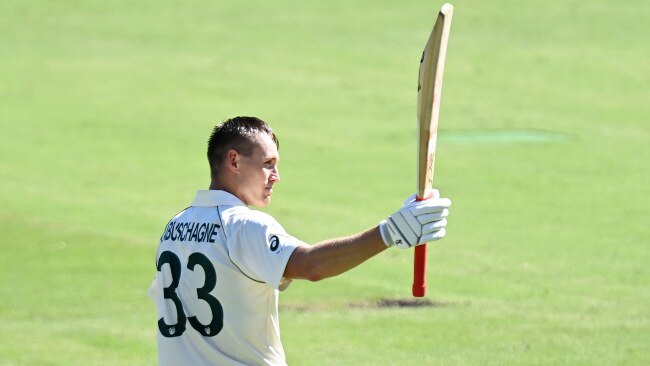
[(335, 256)]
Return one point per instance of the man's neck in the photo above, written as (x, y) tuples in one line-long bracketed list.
[(216, 184)]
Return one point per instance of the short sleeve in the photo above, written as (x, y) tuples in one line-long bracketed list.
[(261, 248)]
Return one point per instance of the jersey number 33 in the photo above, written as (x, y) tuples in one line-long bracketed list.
[(175, 330)]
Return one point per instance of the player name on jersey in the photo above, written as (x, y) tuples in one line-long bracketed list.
[(200, 232)]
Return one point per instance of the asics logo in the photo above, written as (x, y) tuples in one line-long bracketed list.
[(274, 243)]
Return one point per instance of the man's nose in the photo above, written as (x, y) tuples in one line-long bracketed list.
[(275, 175)]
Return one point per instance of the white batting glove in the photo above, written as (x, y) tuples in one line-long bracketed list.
[(417, 222)]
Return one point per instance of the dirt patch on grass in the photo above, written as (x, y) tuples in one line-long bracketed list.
[(384, 303), (403, 303)]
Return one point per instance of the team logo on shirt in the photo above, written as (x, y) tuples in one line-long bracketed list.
[(274, 243)]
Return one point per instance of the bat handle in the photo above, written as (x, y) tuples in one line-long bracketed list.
[(420, 268), (419, 271)]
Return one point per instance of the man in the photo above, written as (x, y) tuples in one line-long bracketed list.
[(220, 265)]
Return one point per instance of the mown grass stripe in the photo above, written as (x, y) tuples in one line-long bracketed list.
[(503, 137)]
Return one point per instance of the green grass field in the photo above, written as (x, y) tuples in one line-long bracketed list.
[(105, 109)]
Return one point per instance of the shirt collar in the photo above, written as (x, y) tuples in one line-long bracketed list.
[(211, 198)]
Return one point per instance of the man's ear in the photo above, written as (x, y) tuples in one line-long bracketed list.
[(232, 160)]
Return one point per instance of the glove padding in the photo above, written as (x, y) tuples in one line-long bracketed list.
[(417, 222)]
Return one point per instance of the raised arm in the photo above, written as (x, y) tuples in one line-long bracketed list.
[(415, 223)]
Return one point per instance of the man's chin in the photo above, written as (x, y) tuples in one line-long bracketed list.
[(262, 203)]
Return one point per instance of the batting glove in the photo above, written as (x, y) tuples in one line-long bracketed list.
[(417, 222)]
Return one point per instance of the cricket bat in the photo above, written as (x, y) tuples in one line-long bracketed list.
[(432, 66)]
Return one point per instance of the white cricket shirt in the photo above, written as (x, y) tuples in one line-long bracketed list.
[(220, 267)]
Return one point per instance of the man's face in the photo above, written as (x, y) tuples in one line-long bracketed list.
[(258, 173)]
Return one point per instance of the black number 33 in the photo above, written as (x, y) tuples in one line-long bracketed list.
[(203, 293)]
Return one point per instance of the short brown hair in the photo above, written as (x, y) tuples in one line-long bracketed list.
[(239, 134)]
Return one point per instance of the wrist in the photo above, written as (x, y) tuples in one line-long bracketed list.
[(385, 236)]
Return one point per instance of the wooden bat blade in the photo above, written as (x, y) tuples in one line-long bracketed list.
[(432, 67), (430, 77)]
